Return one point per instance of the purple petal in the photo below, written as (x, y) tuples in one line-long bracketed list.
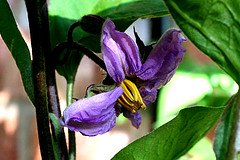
[(135, 118), (94, 115), (120, 53), (163, 60), (148, 95)]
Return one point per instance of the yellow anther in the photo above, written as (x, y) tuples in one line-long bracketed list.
[(127, 105), (126, 92), (131, 98), (135, 92)]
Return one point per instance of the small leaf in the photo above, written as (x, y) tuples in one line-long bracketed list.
[(55, 140), (17, 46), (175, 138), (67, 62), (213, 26)]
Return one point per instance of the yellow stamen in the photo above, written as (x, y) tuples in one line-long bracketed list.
[(135, 92), (126, 92), (131, 98), (126, 104)]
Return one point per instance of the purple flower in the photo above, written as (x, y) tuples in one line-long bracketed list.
[(94, 115), (136, 82)]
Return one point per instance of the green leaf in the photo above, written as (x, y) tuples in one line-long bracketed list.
[(17, 46), (226, 142), (67, 63), (57, 136), (174, 138), (122, 12), (125, 12), (213, 26)]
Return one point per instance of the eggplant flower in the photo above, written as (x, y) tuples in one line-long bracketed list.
[(136, 81)]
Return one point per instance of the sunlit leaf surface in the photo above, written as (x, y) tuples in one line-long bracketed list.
[(175, 138), (213, 26), (122, 12)]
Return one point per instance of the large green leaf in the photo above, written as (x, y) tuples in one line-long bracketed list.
[(122, 12), (175, 138), (17, 46), (213, 26)]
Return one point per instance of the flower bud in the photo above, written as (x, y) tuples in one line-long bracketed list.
[(92, 24)]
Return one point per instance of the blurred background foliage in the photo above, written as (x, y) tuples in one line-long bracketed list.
[(204, 84)]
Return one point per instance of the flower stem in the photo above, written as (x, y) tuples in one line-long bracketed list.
[(40, 41), (70, 31), (71, 134), (89, 54)]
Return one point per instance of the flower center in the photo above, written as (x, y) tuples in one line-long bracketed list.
[(131, 98)]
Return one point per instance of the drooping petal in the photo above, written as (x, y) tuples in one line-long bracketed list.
[(163, 60), (94, 115), (120, 53), (148, 95), (135, 118)]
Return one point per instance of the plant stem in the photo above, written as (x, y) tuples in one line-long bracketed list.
[(54, 107), (53, 100), (40, 41), (70, 31), (89, 54), (71, 134)]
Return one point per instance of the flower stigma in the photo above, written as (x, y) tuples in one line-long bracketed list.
[(131, 98)]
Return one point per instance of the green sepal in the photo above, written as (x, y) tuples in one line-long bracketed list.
[(144, 50), (98, 88)]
